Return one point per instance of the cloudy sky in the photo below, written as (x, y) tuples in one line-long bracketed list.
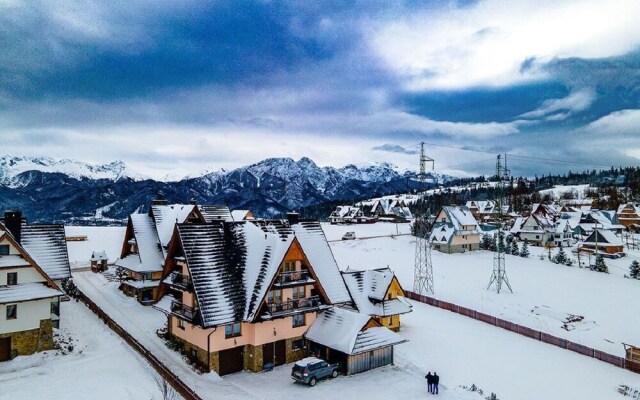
[(176, 87)]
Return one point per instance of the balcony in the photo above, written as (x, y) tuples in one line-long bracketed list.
[(293, 278), (179, 281), (185, 312), (291, 307)]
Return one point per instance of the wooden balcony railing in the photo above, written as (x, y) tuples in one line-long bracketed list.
[(185, 312), (181, 281), (292, 278), (293, 306)]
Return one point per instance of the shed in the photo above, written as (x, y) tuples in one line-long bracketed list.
[(356, 341), (99, 261)]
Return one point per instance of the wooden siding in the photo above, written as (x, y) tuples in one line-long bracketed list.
[(369, 360)]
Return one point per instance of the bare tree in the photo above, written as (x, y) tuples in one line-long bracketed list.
[(166, 391)]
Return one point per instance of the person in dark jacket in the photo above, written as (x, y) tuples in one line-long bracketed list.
[(429, 379), (436, 381)]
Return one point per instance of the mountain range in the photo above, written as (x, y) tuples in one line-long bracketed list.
[(73, 192)]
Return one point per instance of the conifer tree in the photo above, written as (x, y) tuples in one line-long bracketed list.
[(560, 257), (600, 265), (485, 243), (524, 251), (514, 248), (634, 269)]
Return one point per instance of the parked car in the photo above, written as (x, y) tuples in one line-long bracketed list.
[(311, 369), (349, 236)]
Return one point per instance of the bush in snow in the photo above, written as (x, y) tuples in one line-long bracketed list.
[(514, 248), (560, 257), (70, 288), (600, 265), (524, 251), (485, 243), (634, 269)]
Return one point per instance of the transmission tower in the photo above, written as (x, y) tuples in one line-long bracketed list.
[(423, 270), (499, 274)]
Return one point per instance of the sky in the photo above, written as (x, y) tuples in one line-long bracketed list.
[(175, 88)]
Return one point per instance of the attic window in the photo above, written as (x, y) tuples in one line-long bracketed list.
[(4, 249)]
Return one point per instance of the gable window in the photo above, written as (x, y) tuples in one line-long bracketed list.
[(12, 278), (289, 266), (12, 311), (298, 292), (298, 320), (275, 296), (232, 330), (4, 249)]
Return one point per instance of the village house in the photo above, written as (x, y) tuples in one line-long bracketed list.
[(29, 298), (248, 291), (377, 292), (147, 239), (99, 261), (455, 230), (629, 214), (389, 210), (357, 341), (349, 215), (603, 242), (543, 227), (242, 215)]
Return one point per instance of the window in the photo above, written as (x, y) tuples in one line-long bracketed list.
[(298, 292), (275, 296), (55, 309), (147, 276), (297, 344), (12, 278), (232, 330), (12, 311), (298, 320), (4, 249), (289, 266), (180, 324)]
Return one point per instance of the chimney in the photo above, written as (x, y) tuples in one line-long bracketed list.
[(293, 218), (13, 222)]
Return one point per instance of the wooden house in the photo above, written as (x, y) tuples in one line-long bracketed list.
[(544, 227), (606, 242), (29, 298), (356, 341), (377, 292), (628, 214), (349, 215), (455, 230), (99, 261), (248, 291)]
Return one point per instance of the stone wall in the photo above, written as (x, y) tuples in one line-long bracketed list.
[(253, 358), (28, 342)]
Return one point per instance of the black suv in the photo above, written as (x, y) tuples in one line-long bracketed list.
[(311, 369)]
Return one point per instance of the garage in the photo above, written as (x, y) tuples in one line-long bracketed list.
[(275, 353), (231, 361), (5, 349)]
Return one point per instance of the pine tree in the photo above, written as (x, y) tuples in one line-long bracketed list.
[(514, 248), (600, 265), (560, 257), (634, 269), (524, 251), (485, 243), (494, 242)]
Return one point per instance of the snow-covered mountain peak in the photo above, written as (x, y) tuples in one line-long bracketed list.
[(11, 167)]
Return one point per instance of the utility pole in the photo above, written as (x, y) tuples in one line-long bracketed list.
[(499, 274), (423, 269)]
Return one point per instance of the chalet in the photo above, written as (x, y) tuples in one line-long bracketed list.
[(483, 210), (604, 241), (99, 261), (583, 223), (357, 341), (628, 214), (29, 298), (389, 210), (242, 215), (378, 293), (147, 239), (455, 230), (544, 226), (248, 291), (349, 215)]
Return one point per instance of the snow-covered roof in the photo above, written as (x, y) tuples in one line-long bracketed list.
[(369, 288), (26, 292), (149, 257), (315, 246), (166, 216), (47, 245), (215, 213), (99, 256), (13, 260), (232, 264), (460, 216), (239, 215), (141, 284), (442, 233), (346, 331), (604, 237)]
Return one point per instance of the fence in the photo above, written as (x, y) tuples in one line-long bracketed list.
[(171, 378), (528, 332)]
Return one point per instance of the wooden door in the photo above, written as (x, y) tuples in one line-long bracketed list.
[(267, 353), (231, 360), (280, 352), (5, 349)]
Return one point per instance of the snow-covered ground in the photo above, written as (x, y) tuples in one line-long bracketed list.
[(335, 232), (99, 238), (463, 351), (101, 366)]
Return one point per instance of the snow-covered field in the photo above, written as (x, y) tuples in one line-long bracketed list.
[(100, 367), (461, 350), (99, 238)]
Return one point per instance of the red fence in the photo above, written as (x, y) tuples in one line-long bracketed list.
[(528, 332), (171, 378)]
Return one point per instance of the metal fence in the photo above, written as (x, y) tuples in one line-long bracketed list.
[(171, 378), (528, 332)]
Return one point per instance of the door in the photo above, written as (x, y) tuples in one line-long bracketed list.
[(280, 352), (5, 349), (231, 361), (267, 353)]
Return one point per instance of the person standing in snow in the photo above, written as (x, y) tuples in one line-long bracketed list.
[(436, 380), (429, 379)]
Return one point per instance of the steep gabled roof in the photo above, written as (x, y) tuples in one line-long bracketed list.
[(347, 332), (604, 237), (316, 248), (47, 245), (213, 213), (166, 216), (150, 257), (460, 216), (369, 288)]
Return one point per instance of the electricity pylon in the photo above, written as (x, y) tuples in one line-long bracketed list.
[(423, 270), (499, 274)]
